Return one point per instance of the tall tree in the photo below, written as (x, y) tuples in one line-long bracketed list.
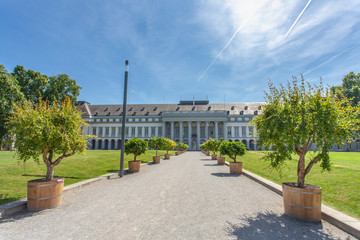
[(349, 88), (61, 86), (9, 94), (32, 84)]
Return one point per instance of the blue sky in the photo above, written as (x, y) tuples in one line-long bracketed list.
[(221, 49)]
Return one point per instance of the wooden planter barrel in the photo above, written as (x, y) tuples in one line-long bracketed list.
[(43, 194), (156, 159), (213, 157), (167, 156), (235, 167), (134, 166), (220, 160), (302, 203)]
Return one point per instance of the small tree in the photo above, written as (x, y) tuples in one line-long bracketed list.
[(136, 146), (232, 149), (299, 116), (170, 145), (212, 145), (51, 130), (157, 143), (182, 146)]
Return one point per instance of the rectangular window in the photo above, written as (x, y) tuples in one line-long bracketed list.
[(237, 134), (107, 131), (139, 132), (119, 131), (202, 132), (100, 131), (186, 132), (94, 131), (153, 131), (113, 129), (243, 131), (177, 132), (146, 131), (229, 131), (126, 131), (160, 131), (132, 132)]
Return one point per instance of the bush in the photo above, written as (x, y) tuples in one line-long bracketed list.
[(157, 143), (211, 145), (182, 146), (136, 146), (170, 145), (232, 149)]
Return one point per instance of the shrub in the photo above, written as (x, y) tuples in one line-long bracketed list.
[(232, 149), (136, 146)]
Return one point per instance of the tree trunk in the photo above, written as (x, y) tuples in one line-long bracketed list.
[(156, 152), (301, 171), (49, 173)]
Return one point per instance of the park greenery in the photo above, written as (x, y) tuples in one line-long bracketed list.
[(211, 145), (350, 88), (298, 116), (170, 145), (182, 146), (232, 149), (157, 143), (53, 131), (28, 85), (136, 146)]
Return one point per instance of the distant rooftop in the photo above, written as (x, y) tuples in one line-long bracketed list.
[(194, 102)]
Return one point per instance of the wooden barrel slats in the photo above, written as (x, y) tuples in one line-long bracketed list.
[(235, 167)]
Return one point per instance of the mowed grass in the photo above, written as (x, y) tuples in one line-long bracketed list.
[(340, 186), (14, 175)]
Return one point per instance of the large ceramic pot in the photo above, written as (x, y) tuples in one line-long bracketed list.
[(156, 159), (42, 194), (134, 166), (235, 167), (302, 203)]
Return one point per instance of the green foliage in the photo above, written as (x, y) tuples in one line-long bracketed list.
[(211, 145), (170, 145), (182, 146), (51, 130), (350, 88), (9, 94), (157, 143), (232, 149), (299, 116), (35, 85), (136, 146)]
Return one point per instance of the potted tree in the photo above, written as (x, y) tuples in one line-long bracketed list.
[(233, 149), (157, 143), (213, 146), (137, 147), (53, 131), (296, 118), (220, 159), (182, 147), (170, 145)]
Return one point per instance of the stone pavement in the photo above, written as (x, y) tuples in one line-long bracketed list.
[(186, 197)]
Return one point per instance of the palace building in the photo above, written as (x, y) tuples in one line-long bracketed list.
[(190, 122)]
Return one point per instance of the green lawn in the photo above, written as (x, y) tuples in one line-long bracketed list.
[(14, 175), (340, 186)]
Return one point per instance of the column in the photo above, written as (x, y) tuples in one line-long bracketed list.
[(117, 132), (172, 131), (163, 129), (216, 131), (129, 133), (206, 130), (198, 134), (143, 132), (97, 144), (225, 130), (97, 132), (189, 135), (232, 131), (103, 144), (156, 131), (181, 131), (136, 132)]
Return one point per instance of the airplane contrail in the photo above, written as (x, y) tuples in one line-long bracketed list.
[(291, 28), (228, 43)]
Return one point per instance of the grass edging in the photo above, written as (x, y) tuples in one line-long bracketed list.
[(336, 218)]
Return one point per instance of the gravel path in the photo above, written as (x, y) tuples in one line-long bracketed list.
[(186, 197)]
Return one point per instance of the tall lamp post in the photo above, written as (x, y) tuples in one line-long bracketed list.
[(121, 173)]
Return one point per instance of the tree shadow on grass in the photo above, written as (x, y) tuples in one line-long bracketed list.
[(225, 175), (271, 226)]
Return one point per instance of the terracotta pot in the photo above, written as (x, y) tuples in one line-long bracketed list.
[(167, 156), (43, 194), (220, 160), (156, 159), (213, 157), (302, 203), (134, 166), (177, 153), (235, 167)]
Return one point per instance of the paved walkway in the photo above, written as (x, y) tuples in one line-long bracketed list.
[(186, 197)]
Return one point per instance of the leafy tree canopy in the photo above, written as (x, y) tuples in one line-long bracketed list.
[(170, 145), (136, 146), (51, 130), (299, 116), (61, 86), (349, 88), (157, 143), (232, 149), (182, 146), (212, 145)]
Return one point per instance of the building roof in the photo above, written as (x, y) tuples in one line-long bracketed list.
[(158, 109)]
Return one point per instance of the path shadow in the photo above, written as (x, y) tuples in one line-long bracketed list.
[(204, 159), (17, 216), (271, 226), (225, 175), (55, 176), (211, 165)]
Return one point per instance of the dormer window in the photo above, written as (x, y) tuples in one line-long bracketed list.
[(108, 114), (209, 108), (120, 114), (241, 112), (106, 109), (232, 107), (147, 114), (155, 108), (134, 113), (130, 109), (255, 112), (227, 112), (118, 109), (193, 108), (160, 113), (246, 107), (177, 109), (142, 109), (97, 113), (259, 107)]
